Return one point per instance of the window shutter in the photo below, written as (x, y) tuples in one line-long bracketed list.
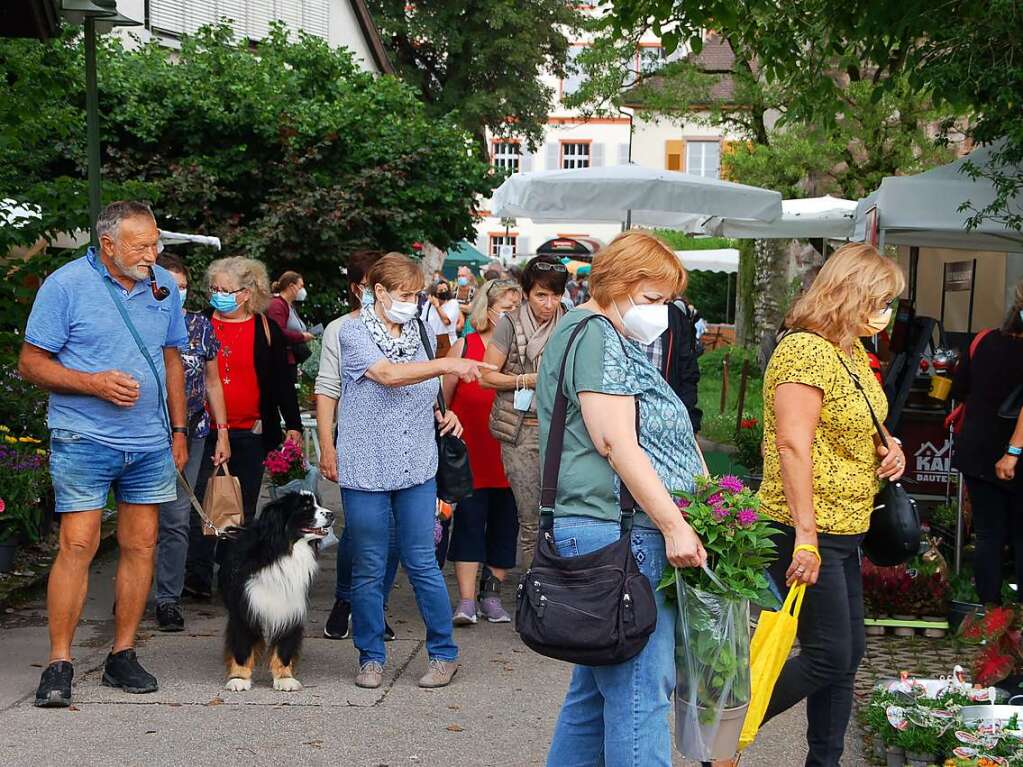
[(552, 160), (673, 153), (596, 155), (315, 17), (521, 246), (526, 161), (167, 15), (260, 14), (236, 11), (623, 154), (290, 12)]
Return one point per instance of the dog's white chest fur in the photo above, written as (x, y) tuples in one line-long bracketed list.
[(277, 594)]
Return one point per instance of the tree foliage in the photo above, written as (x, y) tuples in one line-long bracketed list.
[(480, 61), (288, 152), (964, 56)]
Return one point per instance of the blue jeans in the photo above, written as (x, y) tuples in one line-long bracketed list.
[(367, 515), (172, 545), (343, 589), (84, 472), (617, 716)]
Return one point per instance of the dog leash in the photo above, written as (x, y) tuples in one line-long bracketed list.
[(219, 532)]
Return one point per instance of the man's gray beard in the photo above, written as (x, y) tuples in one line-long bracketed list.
[(137, 273)]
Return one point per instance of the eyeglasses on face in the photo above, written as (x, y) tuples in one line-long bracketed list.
[(225, 291)]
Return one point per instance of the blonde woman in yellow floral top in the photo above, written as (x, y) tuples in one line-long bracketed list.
[(822, 467)]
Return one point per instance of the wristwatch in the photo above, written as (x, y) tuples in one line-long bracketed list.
[(1014, 451)]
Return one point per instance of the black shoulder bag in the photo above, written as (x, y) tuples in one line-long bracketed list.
[(454, 476), (894, 534), (596, 609)]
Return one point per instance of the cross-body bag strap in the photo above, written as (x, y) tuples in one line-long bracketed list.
[(163, 404), (429, 353), (856, 382), (556, 441)]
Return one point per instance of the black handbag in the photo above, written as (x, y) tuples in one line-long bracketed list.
[(454, 475), (1010, 407), (894, 534), (301, 352), (595, 609)]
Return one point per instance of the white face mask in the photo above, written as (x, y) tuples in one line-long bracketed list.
[(878, 321), (400, 312), (183, 292), (301, 295), (645, 322)]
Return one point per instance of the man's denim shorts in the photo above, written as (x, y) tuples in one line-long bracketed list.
[(84, 471)]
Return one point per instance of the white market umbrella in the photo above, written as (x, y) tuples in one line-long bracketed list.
[(828, 217), (923, 210), (619, 193), (713, 260), (176, 238)]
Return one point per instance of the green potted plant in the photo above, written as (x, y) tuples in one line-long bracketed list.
[(921, 744), (748, 450), (963, 598), (24, 477), (712, 624)]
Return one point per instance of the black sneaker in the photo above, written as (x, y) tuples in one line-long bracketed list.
[(169, 617), (197, 588), (339, 624), (389, 635), (123, 670), (54, 689)]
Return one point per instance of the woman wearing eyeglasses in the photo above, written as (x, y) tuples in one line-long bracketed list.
[(258, 393), (515, 350)]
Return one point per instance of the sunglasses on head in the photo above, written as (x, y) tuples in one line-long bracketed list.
[(545, 266), (502, 284)]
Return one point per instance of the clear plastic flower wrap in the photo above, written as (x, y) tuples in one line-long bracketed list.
[(712, 661)]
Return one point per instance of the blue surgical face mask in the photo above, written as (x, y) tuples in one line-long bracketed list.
[(463, 281), (183, 292), (225, 303), (1021, 315)]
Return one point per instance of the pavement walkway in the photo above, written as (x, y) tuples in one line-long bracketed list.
[(499, 711)]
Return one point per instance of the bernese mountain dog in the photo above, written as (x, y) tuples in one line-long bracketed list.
[(266, 574)]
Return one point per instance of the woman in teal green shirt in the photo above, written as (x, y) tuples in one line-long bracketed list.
[(618, 715)]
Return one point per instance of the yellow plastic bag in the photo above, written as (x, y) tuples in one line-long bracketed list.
[(772, 643)]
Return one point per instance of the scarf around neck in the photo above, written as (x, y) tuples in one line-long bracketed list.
[(401, 349), (537, 334)]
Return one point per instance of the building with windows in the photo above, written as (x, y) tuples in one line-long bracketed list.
[(574, 141), (342, 23)]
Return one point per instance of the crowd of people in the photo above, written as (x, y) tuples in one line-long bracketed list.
[(484, 360)]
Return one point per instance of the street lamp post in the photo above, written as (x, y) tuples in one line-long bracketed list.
[(90, 13)]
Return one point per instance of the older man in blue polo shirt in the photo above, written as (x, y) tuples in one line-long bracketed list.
[(108, 427)]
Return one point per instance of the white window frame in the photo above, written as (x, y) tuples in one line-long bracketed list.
[(698, 163), (497, 240), (575, 154), (507, 155)]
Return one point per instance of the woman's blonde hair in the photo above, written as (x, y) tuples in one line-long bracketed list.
[(396, 271), (488, 295), (852, 285), (631, 258), (248, 273)]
